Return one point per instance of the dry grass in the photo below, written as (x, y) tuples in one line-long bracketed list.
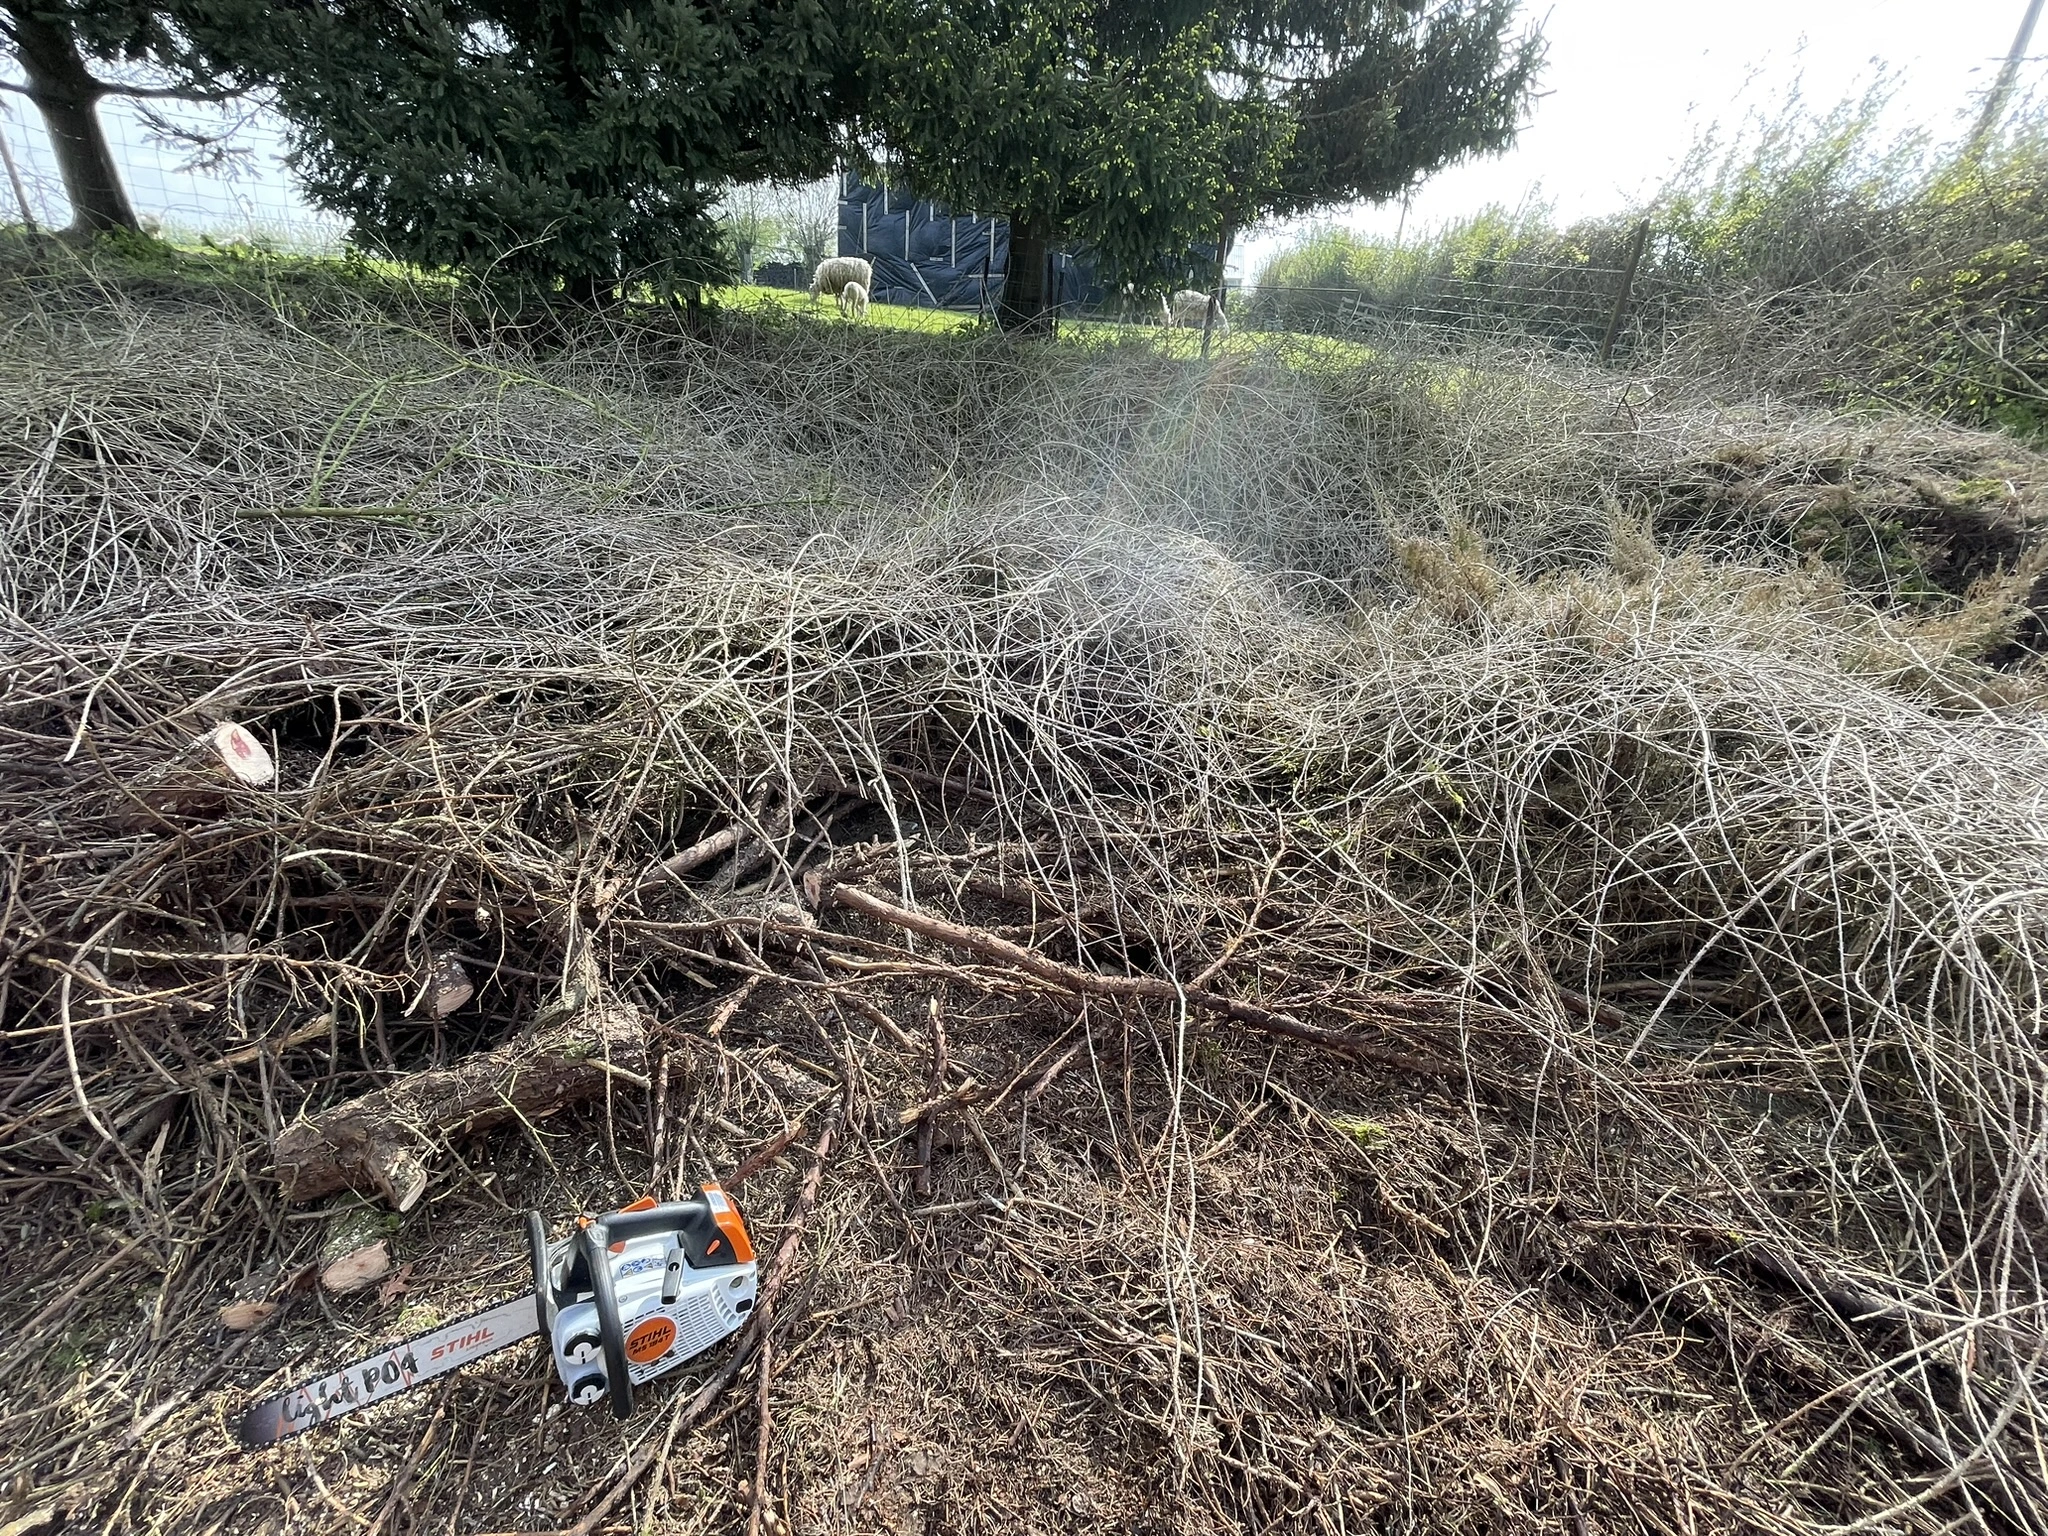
[(1452, 707)]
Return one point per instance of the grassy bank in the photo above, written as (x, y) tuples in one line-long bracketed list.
[(1816, 256)]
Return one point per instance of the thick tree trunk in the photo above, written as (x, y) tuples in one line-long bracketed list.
[(67, 94), (1026, 306), (588, 290)]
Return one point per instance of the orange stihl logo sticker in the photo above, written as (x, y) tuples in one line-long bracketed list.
[(650, 1340)]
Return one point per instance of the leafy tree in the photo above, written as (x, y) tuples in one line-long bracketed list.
[(1380, 93), (1375, 95), (1076, 119), (66, 50), (561, 145), (1139, 127)]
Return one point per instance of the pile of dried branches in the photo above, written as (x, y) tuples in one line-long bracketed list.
[(1547, 1051)]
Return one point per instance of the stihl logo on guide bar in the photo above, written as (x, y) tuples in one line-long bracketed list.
[(469, 1340), (684, 1271)]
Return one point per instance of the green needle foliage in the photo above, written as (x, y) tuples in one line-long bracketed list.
[(553, 146), (1138, 129)]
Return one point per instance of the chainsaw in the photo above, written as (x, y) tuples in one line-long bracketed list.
[(624, 1298)]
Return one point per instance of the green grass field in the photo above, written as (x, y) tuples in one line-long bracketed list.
[(1301, 348)]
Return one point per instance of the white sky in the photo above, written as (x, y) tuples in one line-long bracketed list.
[(1629, 85)]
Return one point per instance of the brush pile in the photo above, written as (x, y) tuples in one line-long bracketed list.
[(1244, 981)]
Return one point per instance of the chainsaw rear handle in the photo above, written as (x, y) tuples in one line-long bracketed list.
[(694, 1222)]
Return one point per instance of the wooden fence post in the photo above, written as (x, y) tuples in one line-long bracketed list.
[(1628, 281), (1216, 299)]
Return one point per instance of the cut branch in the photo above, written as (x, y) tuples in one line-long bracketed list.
[(1068, 978), (383, 1141)]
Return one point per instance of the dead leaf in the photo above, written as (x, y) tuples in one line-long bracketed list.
[(395, 1287), (242, 1316), (353, 1271)]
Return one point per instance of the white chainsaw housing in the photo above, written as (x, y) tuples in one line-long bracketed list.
[(670, 1311)]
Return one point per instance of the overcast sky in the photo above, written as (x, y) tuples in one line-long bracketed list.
[(1628, 86)]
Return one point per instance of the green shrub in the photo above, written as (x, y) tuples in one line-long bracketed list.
[(1814, 256)]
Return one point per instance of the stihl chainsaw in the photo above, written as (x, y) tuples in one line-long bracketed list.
[(625, 1298)]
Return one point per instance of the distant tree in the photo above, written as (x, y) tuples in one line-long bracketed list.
[(1373, 95), (1379, 93), (747, 215), (73, 54), (1089, 120), (1140, 127), (575, 146), (810, 220)]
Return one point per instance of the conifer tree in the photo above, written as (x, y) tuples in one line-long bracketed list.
[(566, 146), (75, 53), (1141, 127)]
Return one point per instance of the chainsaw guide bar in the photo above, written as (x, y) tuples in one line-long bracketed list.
[(418, 1359), (627, 1297)]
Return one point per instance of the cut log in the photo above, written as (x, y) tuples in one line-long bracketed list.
[(383, 1142), (353, 1271)]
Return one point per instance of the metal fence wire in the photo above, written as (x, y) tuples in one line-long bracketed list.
[(1571, 308), (238, 190), (247, 195)]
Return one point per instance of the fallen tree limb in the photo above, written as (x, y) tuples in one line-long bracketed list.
[(315, 1029), (382, 1141), (821, 892)]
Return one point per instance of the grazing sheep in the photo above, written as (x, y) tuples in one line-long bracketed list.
[(835, 272), (1143, 309), (1188, 309), (853, 301)]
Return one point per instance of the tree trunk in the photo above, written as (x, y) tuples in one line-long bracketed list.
[(383, 1141), (1025, 307), (67, 94), (588, 290), (1216, 299)]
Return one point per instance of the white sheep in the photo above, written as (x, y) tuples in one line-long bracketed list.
[(1143, 309), (853, 301), (1188, 309), (835, 272)]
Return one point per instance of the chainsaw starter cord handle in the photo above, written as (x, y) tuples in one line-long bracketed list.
[(596, 1241)]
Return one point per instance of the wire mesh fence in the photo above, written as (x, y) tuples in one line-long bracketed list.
[(1567, 307), (191, 173), (195, 173)]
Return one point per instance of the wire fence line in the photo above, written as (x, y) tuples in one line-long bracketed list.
[(247, 194), (240, 190)]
